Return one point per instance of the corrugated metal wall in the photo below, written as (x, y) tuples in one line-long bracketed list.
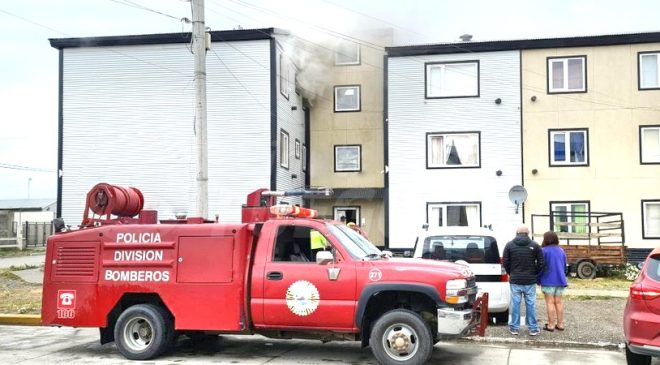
[(129, 120), (411, 116), (292, 121)]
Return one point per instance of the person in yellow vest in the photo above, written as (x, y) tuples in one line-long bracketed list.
[(317, 242)]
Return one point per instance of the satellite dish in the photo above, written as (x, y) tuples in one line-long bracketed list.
[(517, 195)]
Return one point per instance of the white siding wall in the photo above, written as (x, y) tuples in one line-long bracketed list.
[(411, 116), (292, 121), (129, 120)]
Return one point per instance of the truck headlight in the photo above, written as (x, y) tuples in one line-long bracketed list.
[(456, 291)]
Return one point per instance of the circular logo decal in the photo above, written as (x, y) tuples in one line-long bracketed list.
[(302, 298), (375, 274)]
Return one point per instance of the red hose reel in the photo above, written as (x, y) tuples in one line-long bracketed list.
[(107, 200)]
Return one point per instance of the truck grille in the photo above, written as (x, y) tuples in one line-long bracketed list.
[(76, 262)]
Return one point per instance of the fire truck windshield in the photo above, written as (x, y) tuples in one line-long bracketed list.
[(358, 246)]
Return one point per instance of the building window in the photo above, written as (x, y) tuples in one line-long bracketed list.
[(649, 144), (648, 70), (284, 148), (451, 150), (452, 79), (453, 214), (569, 147), (570, 217), (304, 158), (347, 98), (284, 76), (567, 74), (297, 148), (348, 158), (350, 214), (347, 54), (650, 218)]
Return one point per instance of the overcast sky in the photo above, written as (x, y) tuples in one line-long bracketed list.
[(29, 66)]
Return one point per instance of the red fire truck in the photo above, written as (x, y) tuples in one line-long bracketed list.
[(143, 283)]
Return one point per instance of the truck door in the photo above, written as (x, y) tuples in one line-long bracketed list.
[(298, 292)]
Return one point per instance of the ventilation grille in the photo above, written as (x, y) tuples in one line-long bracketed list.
[(76, 262)]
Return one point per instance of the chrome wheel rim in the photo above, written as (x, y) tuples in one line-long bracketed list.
[(400, 342), (138, 334)]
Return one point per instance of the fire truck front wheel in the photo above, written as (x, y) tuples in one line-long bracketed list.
[(401, 337), (142, 332)]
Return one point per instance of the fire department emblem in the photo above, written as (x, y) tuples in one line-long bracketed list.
[(302, 298)]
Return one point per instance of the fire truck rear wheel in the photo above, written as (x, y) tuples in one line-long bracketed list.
[(142, 332), (401, 337)]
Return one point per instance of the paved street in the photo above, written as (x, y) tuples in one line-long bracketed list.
[(44, 345)]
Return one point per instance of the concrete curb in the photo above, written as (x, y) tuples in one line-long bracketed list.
[(20, 319), (546, 343)]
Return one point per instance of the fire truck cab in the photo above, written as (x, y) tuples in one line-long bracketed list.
[(142, 283)]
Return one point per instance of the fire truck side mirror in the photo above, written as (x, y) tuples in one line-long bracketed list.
[(324, 257)]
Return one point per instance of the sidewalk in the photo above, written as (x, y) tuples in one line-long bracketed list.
[(31, 275)]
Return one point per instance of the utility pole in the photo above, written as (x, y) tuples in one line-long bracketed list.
[(199, 51)]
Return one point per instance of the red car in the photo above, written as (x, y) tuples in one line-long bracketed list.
[(641, 318)]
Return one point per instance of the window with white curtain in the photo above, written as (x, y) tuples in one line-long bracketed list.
[(347, 98), (454, 214), (571, 217), (450, 80), (569, 147), (649, 70), (284, 76), (284, 149), (567, 74), (649, 144), (347, 54), (651, 218), (447, 150)]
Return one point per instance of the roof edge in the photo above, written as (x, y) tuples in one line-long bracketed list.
[(523, 44), (160, 38)]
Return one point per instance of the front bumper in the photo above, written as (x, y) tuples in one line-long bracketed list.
[(459, 323)]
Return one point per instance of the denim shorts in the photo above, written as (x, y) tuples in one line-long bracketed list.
[(553, 290)]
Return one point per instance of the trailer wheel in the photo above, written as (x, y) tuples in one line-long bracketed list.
[(586, 270), (401, 337), (143, 332)]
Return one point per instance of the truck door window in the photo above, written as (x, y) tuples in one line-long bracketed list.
[(298, 244)]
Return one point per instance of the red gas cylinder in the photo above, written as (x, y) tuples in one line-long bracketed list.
[(106, 199)]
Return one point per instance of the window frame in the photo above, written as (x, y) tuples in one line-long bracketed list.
[(357, 62), (359, 98), (297, 149), (551, 148), (446, 204), (304, 158), (565, 90), (568, 203), (357, 208), (427, 75), (644, 227), (445, 166), (284, 77), (639, 70), (285, 135), (641, 143), (359, 147)]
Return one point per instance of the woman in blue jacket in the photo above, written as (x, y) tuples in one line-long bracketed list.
[(553, 281)]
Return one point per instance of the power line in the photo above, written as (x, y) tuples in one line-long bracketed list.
[(132, 4), (23, 168)]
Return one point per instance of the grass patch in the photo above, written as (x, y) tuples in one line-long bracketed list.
[(18, 296), (23, 267), (586, 297), (606, 283), (14, 252)]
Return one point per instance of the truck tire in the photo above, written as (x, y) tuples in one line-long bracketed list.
[(636, 359), (143, 332), (401, 337), (501, 318), (586, 270)]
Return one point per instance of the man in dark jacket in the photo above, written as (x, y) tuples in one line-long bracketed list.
[(523, 261)]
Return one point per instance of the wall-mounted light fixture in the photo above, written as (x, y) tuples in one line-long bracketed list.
[(498, 172), (533, 98), (498, 101), (293, 107), (535, 171)]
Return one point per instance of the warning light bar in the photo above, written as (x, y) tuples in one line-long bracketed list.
[(293, 211)]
